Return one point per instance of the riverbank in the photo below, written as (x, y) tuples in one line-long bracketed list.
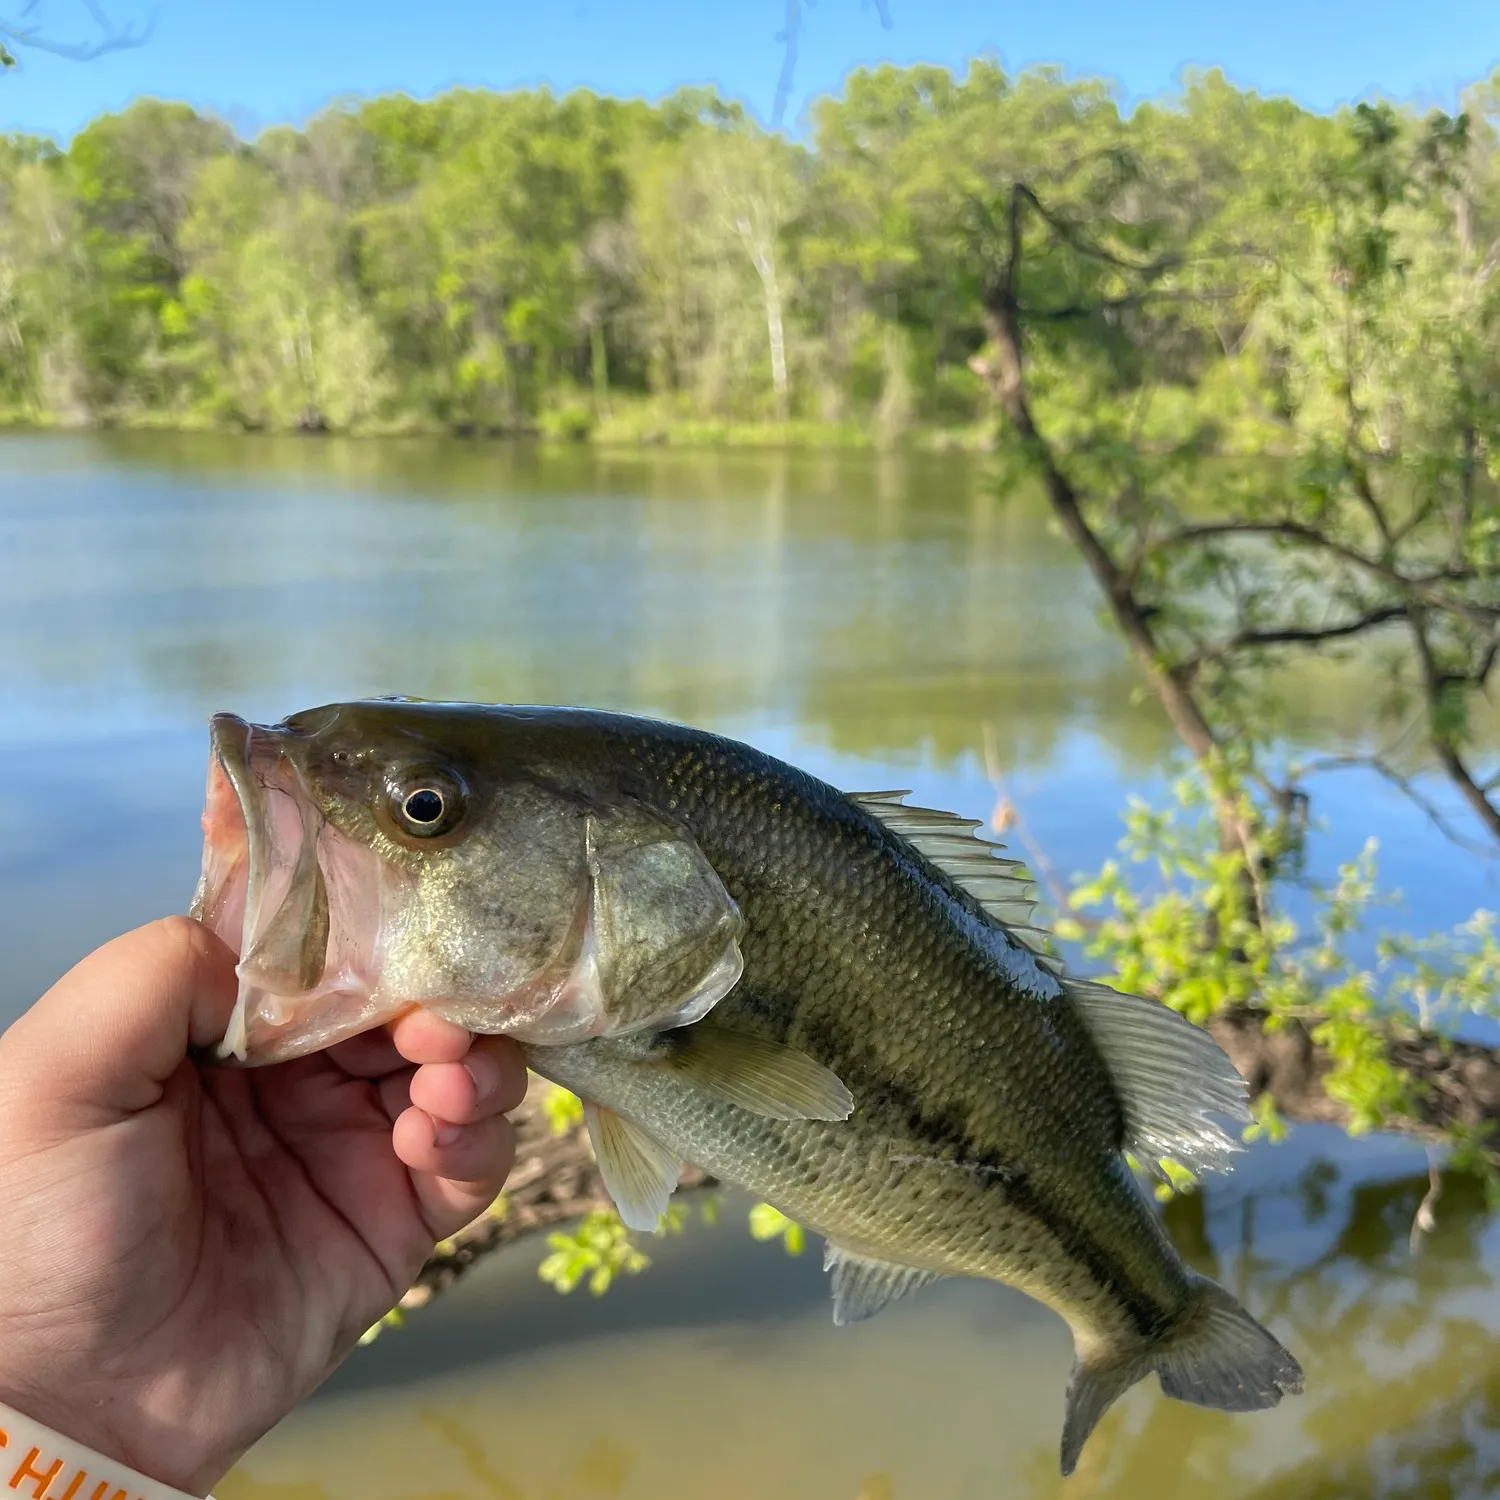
[(635, 428)]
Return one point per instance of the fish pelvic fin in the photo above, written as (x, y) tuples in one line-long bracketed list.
[(1215, 1355), (639, 1173)]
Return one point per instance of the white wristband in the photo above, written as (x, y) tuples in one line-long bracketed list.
[(39, 1464)]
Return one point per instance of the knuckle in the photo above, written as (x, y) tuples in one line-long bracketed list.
[(182, 937)]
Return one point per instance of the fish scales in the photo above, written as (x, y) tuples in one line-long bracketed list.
[(972, 1097)]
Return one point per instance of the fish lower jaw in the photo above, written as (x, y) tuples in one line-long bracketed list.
[(266, 1027)]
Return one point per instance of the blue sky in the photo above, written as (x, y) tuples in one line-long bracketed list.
[(259, 62)]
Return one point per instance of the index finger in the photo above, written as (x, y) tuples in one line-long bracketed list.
[(416, 1037)]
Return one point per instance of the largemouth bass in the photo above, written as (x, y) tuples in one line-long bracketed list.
[(839, 1003)]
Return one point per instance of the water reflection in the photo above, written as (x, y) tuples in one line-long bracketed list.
[(956, 1393), (875, 618), (886, 603)]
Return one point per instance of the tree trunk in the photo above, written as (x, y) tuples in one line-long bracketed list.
[(763, 258), (599, 361), (1006, 378)]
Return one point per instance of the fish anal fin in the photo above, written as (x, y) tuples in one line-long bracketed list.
[(639, 1174), (766, 1078), (863, 1285), (1171, 1077)]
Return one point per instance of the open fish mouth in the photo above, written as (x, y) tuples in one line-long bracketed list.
[(275, 882)]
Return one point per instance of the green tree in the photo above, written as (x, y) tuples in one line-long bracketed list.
[(279, 338), (133, 176)]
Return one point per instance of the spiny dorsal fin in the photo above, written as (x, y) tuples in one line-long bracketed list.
[(863, 1285), (1171, 1076), (999, 884)]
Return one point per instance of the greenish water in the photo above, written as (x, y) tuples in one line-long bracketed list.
[(878, 620)]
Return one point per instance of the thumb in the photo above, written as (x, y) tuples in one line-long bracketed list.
[(105, 1038)]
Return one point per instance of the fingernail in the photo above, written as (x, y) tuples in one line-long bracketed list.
[(485, 1074), (444, 1133)]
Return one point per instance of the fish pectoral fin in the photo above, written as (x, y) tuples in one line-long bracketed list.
[(863, 1285), (639, 1173), (766, 1078)]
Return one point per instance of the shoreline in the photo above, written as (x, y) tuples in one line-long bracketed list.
[(684, 435)]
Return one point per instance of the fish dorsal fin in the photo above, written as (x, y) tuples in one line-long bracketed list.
[(1171, 1077), (863, 1285), (999, 884), (639, 1173)]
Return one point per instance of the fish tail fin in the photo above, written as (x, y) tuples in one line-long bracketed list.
[(1216, 1355)]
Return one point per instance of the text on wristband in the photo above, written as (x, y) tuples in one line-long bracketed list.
[(40, 1482)]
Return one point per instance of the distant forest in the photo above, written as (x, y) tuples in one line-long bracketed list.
[(587, 266)]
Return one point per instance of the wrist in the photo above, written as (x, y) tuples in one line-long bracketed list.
[(41, 1462)]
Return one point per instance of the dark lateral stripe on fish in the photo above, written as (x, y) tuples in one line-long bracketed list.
[(947, 1128)]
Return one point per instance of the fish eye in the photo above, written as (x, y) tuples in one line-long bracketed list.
[(427, 803)]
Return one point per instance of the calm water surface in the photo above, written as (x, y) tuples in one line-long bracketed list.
[(879, 621)]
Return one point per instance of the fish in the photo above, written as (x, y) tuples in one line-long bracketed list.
[(841, 1003)]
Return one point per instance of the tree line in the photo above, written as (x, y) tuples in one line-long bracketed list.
[(485, 262)]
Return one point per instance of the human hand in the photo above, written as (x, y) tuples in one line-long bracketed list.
[(187, 1251)]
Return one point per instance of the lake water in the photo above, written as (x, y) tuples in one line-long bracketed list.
[(879, 620)]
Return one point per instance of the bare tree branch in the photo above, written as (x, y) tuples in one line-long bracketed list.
[(1074, 237), (1421, 586), (789, 36), (110, 36), (1430, 595), (1407, 786), (1107, 305), (1435, 683), (1244, 640)]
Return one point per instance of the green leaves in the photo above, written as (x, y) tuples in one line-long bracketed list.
[(564, 1110), (597, 1251), (1186, 934), (767, 1223)]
